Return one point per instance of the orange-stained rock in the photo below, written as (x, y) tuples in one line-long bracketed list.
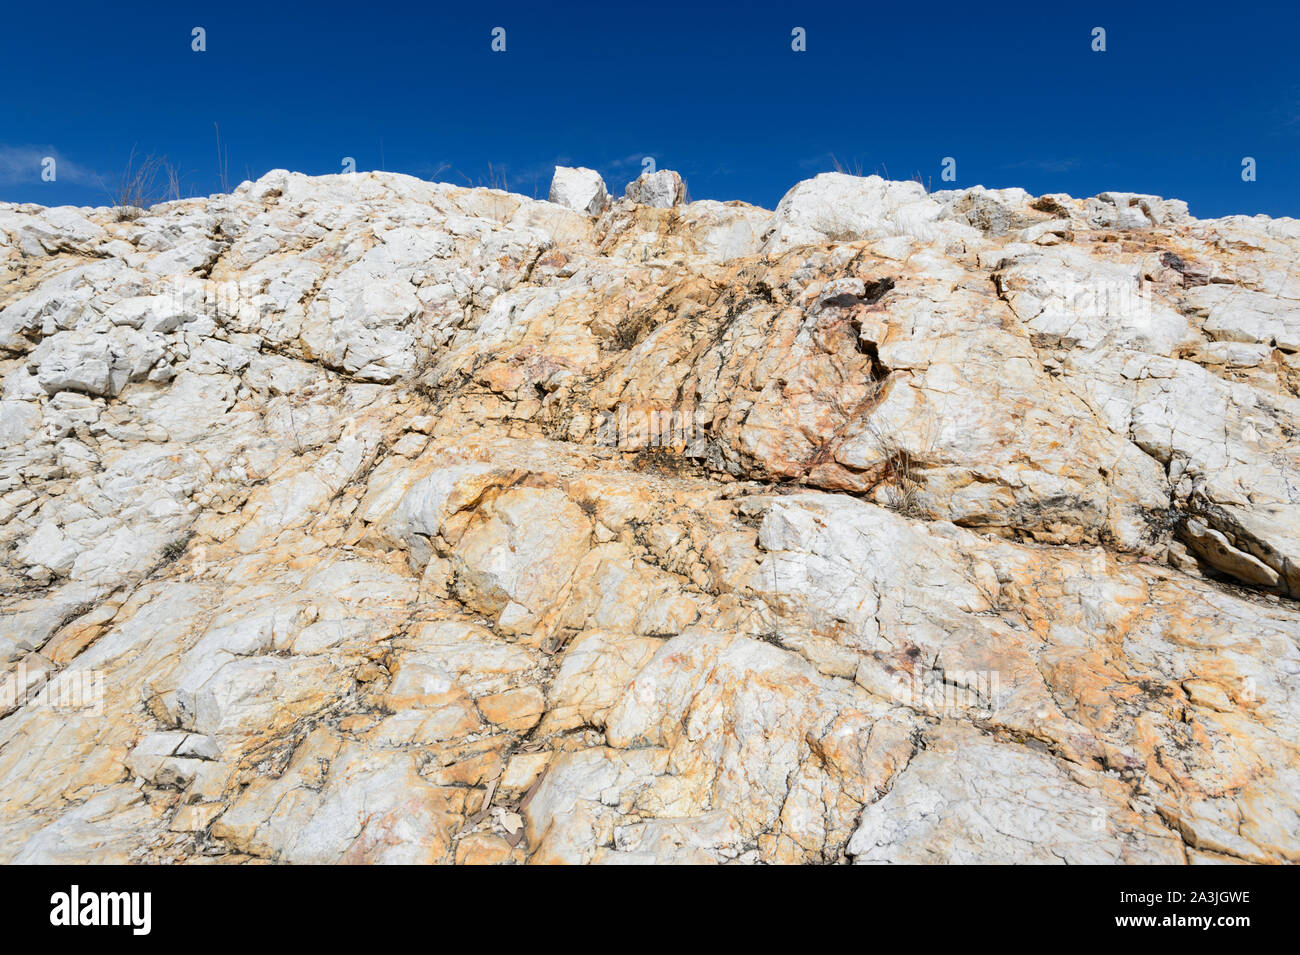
[(371, 520)]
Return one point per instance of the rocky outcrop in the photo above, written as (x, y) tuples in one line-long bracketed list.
[(581, 189), (663, 189), (365, 519)]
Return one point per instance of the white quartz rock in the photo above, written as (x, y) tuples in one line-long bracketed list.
[(580, 189)]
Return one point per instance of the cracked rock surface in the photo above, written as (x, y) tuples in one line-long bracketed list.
[(364, 519)]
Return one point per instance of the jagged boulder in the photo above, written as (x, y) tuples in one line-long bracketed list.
[(662, 189), (580, 189)]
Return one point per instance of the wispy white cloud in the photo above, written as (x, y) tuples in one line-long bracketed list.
[(24, 164), (633, 161)]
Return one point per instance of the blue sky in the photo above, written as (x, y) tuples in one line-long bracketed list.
[(1013, 92)]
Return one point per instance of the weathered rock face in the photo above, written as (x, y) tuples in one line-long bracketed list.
[(363, 519), (580, 189), (663, 189)]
